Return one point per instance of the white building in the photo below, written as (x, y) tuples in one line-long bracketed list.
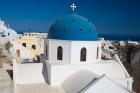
[(9, 35), (33, 43), (133, 42), (72, 63), (6, 32)]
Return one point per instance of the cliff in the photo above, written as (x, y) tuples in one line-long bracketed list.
[(130, 56)]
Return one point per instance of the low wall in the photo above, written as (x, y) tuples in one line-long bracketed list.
[(61, 74), (130, 79), (28, 73), (115, 57), (64, 71)]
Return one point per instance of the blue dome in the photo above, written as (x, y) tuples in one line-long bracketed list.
[(73, 27)]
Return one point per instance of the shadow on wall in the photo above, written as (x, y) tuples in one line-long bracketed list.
[(77, 81), (45, 73)]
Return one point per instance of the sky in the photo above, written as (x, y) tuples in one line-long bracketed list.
[(109, 16)]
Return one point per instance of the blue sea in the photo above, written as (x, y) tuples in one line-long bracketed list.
[(110, 36), (120, 37)]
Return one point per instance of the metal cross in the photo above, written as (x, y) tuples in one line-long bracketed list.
[(73, 6)]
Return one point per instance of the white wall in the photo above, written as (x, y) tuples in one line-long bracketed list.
[(24, 53), (28, 73), (52, 49), (46, 70), (72, 49), (91, 47), (105, 85), (59, 73)]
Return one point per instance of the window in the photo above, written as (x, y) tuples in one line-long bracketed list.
[(97, 52), (24, 44), (46, 51), (34, 47), (59, 53), (83, 54)]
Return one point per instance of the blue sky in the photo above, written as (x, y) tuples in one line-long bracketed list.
[(109, 16)]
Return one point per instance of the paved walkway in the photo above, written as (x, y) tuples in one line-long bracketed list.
[(38, 88), (6, 84)]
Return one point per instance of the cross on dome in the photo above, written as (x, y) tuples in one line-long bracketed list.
[(73, 6)]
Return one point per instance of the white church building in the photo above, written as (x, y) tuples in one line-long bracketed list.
[(72, 63)]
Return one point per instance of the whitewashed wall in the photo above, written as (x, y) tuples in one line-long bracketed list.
[(28, 73), (105, 85), (60, 73), (91, 55), (72, 49), (52, 47)]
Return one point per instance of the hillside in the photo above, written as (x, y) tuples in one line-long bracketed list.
[(5, 54), (130, 56)]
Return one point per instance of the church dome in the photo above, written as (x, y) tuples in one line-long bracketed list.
[(73, 27)]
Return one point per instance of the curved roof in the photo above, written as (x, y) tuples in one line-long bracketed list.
[(73, 27)]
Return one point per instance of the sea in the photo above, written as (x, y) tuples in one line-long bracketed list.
[(118, 37)]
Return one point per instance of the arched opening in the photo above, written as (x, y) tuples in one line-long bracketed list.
[(18, 53), (34, 47), (59, 53), (83, 54), (97, 52), (46, 51)]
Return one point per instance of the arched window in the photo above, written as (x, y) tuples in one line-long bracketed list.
[(34, 47), (83, 54), (59, 53), (46, 51), (97, 52)]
